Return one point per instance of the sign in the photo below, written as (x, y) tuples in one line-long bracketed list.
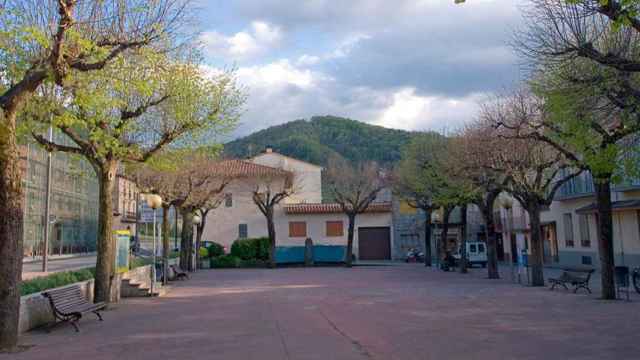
[(123, 239), (146, 214)]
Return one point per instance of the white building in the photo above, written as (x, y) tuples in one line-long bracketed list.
[(570, 225), (298, 217)]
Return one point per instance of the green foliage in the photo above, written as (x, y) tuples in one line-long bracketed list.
[(55, 280), (215, 250), (324, 137), (225, 261), (251, 249), (204, 253)]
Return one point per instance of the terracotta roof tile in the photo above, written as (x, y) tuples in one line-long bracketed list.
[(241, 168), (331, 208)]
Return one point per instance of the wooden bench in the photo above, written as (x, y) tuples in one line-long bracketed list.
[(180, 275), (578, 278), (68, 304)]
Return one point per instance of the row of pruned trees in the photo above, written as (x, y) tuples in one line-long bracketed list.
[(121, 80), (579, 111)]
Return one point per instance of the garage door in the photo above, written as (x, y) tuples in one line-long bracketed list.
[(374, 243)]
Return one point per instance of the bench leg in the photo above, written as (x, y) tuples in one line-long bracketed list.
[(575, 290), (74, 322), (98, 314)]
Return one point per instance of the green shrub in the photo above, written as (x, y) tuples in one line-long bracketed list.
[(251, 249), (55, 280), (225, 261), (204, 253), (215, 250)]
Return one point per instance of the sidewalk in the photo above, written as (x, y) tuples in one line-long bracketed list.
[(33, 269)]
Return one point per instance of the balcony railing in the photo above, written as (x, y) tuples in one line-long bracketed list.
[(583, 186)]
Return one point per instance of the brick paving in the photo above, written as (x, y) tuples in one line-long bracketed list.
[(372, 312)]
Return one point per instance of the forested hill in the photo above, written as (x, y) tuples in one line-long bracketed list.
[(317, 139)]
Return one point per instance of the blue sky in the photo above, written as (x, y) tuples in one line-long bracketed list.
[(407, 64)]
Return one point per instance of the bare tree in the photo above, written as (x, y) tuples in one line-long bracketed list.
[(354, 188), (49, 41), (269, 190), (534, 170)]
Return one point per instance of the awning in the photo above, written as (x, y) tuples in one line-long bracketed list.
[(332, 208), (623, 205)]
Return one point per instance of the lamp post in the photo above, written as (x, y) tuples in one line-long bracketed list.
[(196, 221), (154, 201)]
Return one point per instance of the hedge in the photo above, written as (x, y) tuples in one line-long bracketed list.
[(215, 250), (40, 284), (251, 249)]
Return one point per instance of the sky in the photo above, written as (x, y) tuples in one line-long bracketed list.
[(405, 64)]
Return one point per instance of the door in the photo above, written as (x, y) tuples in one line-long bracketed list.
[(374, 243)]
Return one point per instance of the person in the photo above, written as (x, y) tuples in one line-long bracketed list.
[(133, 241)]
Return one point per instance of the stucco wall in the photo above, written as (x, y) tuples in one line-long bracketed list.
[(307, 177)]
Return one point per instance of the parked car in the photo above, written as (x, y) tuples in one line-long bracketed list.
[(476, 253)]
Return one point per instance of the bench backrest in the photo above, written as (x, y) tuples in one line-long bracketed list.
[(66, 299), (581, 274)]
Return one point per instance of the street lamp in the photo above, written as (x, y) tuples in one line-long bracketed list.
[(154, 201), (197, 220)]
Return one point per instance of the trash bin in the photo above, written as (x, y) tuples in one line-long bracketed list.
[(622, 280)]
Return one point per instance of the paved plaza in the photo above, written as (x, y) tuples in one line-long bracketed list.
[(369, 312)]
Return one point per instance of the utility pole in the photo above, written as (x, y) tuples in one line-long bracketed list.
[(47, 209)]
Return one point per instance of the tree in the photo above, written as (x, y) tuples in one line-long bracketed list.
[(50, 43), (130, 111), (354, 187), (534, 170), (417, 181), (270, 189), (586, 67), (475, 147), (190, 180)]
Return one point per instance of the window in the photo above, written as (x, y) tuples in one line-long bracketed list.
[(568, 230), (585, 238), (480, 248), (297, 229), (243, 231), (228, 200), (335, 228), (472, 248)]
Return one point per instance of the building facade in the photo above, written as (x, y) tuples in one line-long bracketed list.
[(570, 225), (298, 217)]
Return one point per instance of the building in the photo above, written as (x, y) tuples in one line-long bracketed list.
[(73, 216), (300, 216), (570, 225)]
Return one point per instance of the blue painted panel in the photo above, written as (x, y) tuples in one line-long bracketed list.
[(289, 254), (329, 253)]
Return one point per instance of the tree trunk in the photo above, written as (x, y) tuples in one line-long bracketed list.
[(605, 241), (442, 246), (463, 242), (165, 243), (106, 256), (427, 238), (271, 230), (199, 232), (348, 261), (486, 207), (536, 262), (186, 249), (11, 222)]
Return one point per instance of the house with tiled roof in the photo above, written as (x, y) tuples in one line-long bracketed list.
[(302, 215)]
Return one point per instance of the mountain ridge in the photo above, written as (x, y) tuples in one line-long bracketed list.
[(319, 138)]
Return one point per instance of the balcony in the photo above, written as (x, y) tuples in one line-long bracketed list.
[(129, 216), (582, 186)]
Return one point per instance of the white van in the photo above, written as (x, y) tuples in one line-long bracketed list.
[(476, 253)]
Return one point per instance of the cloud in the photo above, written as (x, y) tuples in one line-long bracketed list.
[(410, 64), (244, 44)]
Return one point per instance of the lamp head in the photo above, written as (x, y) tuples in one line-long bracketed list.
[(197, 219), (154, 201)]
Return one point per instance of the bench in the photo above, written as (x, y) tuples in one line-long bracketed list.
[(578, 278), (68, 304), (180, 275)]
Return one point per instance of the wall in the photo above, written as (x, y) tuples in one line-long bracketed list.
[(316, 228), (307, 177)]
